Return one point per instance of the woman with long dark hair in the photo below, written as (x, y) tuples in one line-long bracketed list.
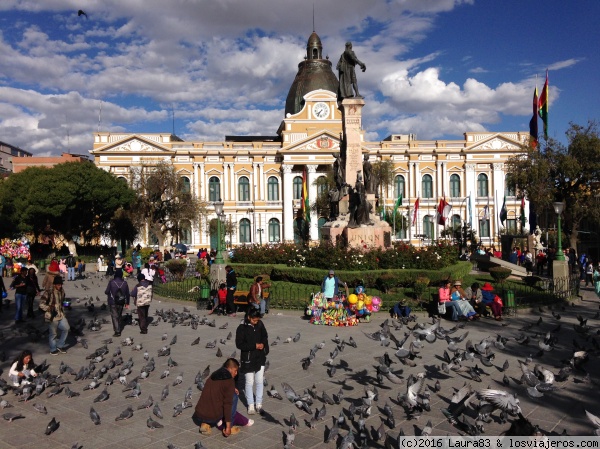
[(252, 340), (33, 288), (22, 368)]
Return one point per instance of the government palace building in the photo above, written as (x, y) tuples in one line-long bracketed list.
[(259, 178)]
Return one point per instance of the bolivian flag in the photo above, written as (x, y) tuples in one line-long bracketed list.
[(305, 202)]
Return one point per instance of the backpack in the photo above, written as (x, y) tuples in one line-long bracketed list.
[(120, 297)]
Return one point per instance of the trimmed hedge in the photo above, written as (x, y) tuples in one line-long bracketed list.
[(370, 279)]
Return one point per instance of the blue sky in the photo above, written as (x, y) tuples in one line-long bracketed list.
[(436, 68)]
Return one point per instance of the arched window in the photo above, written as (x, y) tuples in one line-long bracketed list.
[(186, 186), (482, 185), (272, 189), (214, 189), (244, 189), (245, 231), (484, 227), (274, 230), (322, 187), (455, 223), (122, 179), (427, 186), (185, 232), (399, 187), (454, 186), (428, 226), (320, 224), (508, 191), (297, 187)]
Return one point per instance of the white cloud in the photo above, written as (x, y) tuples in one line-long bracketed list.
[(564, 64), (225, 67)]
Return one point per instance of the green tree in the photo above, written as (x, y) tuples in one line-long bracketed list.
[(384, 172), (558, 173), (324, 185), (73, 198), (163, 202)]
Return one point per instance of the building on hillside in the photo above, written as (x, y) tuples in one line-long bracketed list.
[(7, 154), (21, 163), (259, 178)]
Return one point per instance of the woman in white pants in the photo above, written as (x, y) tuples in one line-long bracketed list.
[(252, 340)]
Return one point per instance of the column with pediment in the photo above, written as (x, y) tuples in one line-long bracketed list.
[(255, 182), (498, 193), (471, 190), (233, 196), (202, 183), (312, 196), (225, 193), (261, 181), (439, 179), (288, 203)]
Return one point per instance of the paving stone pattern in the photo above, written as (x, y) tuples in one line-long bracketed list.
[(556, 411)]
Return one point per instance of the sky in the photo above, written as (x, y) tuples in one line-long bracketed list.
[(210, 68)]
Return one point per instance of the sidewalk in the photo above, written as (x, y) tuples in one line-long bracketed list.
[(562, 409)]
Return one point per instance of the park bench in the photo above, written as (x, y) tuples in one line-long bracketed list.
[(240, 299)]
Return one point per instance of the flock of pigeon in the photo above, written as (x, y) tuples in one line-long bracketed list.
[(490, 393)]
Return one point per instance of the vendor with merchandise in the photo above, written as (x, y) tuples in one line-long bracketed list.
[(330, 307)]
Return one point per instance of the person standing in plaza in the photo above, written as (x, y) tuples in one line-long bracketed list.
[(330, 286), (19, 283), (51, 303), (33, 288), (142, 296), (252, 340), (117, 295), (231, 281), (71, 264)]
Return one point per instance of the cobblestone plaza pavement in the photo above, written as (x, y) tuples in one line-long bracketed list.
[(563, 409)]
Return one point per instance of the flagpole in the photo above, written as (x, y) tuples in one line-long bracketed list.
[(496, 215)]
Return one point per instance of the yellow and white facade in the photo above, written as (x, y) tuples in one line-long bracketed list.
[(259, 178)]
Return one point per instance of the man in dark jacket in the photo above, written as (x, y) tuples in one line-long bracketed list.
[(71, 264), (252, 340), (218, 400), (116, 285), (231, 281)]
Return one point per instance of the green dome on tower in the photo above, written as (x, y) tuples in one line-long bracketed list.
[(313, 73)]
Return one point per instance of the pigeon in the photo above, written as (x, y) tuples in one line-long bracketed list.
[(94, 416), (10, 417), (125, 414), (173, 340), (157, 412), (5, 404), (352, 343), (178, 380), (149, 402), (52, 426), (102, 396), (595, 421), (164, 393), (196, 341), (274, 393), (40, 408), (153, 424), (70, 393)]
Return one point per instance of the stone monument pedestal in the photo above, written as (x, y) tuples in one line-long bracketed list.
[(376, 233)]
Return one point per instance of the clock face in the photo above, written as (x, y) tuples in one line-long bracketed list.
[(321, 110)]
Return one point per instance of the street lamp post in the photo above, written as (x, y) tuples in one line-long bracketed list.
[(558, 208), (260, 231), (560, 267), (219, 211)]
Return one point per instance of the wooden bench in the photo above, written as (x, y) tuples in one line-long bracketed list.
[(240, 299)]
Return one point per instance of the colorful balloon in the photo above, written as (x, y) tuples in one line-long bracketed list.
[(352, 299), (368, 300)]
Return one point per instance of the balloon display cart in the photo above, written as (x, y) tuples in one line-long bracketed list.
[(345, 310)]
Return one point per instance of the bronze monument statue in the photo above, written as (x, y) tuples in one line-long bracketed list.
[(347, 74), (370, 178)]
